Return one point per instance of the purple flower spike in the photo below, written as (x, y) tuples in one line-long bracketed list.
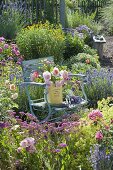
[(63, 145), (57, 150)]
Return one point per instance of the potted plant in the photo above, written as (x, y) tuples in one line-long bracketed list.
[(54, 78)]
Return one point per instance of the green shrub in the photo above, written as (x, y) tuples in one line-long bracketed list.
[(11, 21), (107, 18), (41, 40), (86, 59), (99, 85), (74, 45), (88, 50), (80, 67), (78, 18)]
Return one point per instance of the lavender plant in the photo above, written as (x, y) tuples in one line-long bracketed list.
[(11, 19), (99, 84)]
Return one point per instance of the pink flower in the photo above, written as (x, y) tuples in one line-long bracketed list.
[(95, 115), (48, 83), (55, 71), (2, 39), (34, 75), (64, 74), (99, 135), (1, 50), (47, 76), (58, 83), (6, 46), (17, 53)]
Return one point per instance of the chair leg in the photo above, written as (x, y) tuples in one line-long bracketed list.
[(31, 110)]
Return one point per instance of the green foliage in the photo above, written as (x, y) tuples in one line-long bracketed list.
[(41, 40), (8, 97), (107, 18), (88, 50), (74, 45), (10, 23), (48, 151), (80, 67), (86, 58), (77, 18), (99, 85)]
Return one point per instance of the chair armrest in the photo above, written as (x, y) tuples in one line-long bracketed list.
[(33, 83), (77, 75)]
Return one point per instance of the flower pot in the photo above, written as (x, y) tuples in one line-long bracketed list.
[(55, 94)]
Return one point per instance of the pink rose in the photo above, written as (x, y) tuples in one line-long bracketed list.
[(34, 75), (64, 74), (17, 53), (55, 71), (6, 46), (1, 50), (99, 135), (47, 76), (2, 39)]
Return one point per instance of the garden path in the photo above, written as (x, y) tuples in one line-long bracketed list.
[(108, 52)]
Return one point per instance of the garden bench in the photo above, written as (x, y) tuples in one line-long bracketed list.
[(42, 104)]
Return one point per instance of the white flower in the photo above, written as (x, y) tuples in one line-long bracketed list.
[(14, 96), (7, 83), (47, 76)]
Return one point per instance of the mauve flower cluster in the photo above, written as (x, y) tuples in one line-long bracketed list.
[(9, 52), (99, 136), (83, 28), (28, 144), (95, 115), (4, 124), (29, 122)]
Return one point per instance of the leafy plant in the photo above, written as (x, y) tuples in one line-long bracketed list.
[(99, 85), (82, 19), (74, 45), (11, 22), (86, 58), (41, 40), (107, 17)]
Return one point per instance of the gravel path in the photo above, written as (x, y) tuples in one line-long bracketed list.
[(107, 60)]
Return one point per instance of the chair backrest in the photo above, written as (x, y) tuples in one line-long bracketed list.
[(29, 66)]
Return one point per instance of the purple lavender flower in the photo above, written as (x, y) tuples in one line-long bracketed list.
[(57, 150), (4, 124), (10, 58), (63, 145)]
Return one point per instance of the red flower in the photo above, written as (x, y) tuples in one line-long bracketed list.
[(35, 74)]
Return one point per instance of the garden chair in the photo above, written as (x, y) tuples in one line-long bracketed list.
[(70, 103)]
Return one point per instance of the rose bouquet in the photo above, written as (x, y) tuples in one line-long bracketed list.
[(54, 78), (50, 75)]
